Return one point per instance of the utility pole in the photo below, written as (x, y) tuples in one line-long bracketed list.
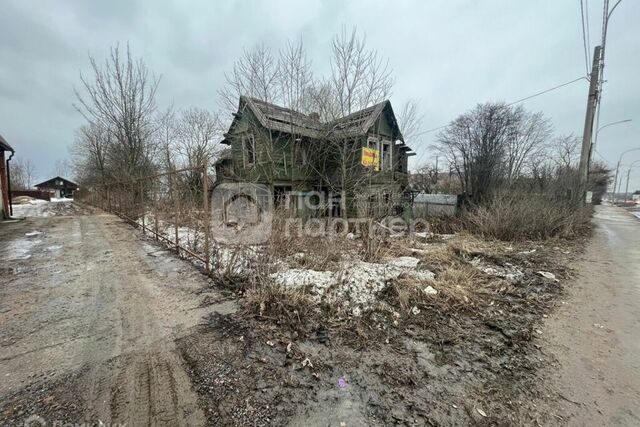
[(626, 190), (585, 154)]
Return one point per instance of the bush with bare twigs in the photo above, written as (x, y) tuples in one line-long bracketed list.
[(511, 216)]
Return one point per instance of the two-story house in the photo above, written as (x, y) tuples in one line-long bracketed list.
[(357, 162)]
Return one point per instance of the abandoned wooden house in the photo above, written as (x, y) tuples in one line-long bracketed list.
[(58, 187), (354, 163)]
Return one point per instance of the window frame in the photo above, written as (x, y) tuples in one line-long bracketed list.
[(299, 146), (384, 166), (249, 137)]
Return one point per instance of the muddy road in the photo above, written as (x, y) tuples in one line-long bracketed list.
[(595, 334), (90, 314), (100, 325)]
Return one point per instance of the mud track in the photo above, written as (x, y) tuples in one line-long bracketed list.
[(90, 315)]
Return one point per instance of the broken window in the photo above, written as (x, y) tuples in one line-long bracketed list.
[(386, 156), (300, 152), (249, 149)]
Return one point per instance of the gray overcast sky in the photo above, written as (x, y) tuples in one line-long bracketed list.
[(448, 55)]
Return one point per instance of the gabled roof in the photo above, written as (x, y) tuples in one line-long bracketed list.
[(360, 122), (4, 145), (42, 184), (277, 118), (282, 119)]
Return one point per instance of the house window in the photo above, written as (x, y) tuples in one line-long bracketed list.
[(300, 152), (249, 149), (386, 156)]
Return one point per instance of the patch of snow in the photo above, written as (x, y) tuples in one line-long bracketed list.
[(19, 249), (548, 275), (509, 271), (355, 284), (405, 262), (429, 290), (33, 233)]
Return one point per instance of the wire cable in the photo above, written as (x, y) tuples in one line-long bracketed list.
[(584, 38), (509, 104), (586, 14)]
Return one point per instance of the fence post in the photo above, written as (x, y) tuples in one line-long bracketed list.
[(155, 213), (176, 215), (144, 211), (207, 228)]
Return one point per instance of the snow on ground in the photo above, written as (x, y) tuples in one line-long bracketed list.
[(21, 247), (38, 208), (509, 271), (355, 283)]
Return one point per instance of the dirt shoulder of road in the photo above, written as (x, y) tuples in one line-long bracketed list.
[(458, 358)]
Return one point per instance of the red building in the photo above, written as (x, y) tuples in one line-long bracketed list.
[(5, 208)]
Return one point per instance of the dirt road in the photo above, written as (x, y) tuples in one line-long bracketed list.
[(595, 335), (89, 317)]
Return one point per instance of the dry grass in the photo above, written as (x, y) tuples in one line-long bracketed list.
[(512, 216), (293, 307)]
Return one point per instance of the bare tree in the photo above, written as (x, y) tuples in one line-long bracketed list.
[(254, 74), (476, 143), (120, 99), (410, 120), (90, 149), (23, 173), (359, 76), (198, 132), (295, 77), (166, 137), (565, 151), (63, 168), (527, 139), (359, 79)]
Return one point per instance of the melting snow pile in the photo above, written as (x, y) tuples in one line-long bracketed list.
[(355, 283)]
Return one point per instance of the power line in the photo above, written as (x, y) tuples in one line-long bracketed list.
[(586, 13), (584, 38), (509, 104), (547, 90)]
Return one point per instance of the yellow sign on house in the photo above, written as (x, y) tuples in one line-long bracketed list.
[(371, 158)]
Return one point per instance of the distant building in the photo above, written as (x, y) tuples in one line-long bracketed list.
[(58, 187), (5, 207)]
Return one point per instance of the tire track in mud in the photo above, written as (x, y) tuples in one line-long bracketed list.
[(145, 384), (122, 311)]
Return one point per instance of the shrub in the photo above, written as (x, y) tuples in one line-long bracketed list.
[(526, 216)]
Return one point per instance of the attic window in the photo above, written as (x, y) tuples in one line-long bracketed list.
[(249, 149)]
